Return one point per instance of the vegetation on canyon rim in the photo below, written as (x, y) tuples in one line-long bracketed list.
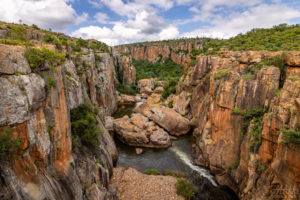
[(281, 37)]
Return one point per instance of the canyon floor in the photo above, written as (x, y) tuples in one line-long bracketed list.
[(134, 185)]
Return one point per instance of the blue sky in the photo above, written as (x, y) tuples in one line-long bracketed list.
[(125, 21)]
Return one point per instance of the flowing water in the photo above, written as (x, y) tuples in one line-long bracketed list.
[(177, 157)]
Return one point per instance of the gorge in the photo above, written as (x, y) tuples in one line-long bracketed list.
[(240, 108)]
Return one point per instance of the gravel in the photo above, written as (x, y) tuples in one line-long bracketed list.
[(134, 185)]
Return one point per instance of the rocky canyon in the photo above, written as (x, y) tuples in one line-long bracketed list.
[(58, 95)]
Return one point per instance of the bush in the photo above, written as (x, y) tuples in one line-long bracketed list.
[(82, 43), (169, 88), (49, 38), (255, 113), (39, 58), (51, 83), (223, 73), (100, 46), (98, 58), (84, 124), (163, 69), (291, 136), (237, 111), (127, 89), (151, 172), (234, 165), (170, 103), (248, 76), (185, 188), (16, 32), (9, 147)]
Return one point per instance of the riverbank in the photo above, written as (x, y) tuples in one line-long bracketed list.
[(134, 185)]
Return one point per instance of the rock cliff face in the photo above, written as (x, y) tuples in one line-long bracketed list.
[(240, 106), (39, 114), (126, 72), (177, 52)]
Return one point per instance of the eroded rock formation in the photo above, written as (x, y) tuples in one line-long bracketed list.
[(39, 114)]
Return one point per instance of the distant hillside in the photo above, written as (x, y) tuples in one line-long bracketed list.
[(281, 37)]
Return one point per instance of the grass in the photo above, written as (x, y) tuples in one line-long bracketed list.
[(151, 172), (174, 173), (9, 147), (185, 188), (84, 125)]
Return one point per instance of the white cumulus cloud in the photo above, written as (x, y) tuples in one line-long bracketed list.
[(55, 14), (144, 27), (260, 16)]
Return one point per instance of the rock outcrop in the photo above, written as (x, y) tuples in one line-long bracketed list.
[(126, 72), (39, 114), (248, 156), (165, 117), (139, 131), (177, 52)]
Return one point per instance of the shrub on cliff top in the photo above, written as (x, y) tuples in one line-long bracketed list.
[(9, 147), (39, 58), (84, 124), (185, 188)]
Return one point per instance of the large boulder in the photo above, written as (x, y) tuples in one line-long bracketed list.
[(181, 103), (170, 120), (139, 131), (125, 99), (146, 85)]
